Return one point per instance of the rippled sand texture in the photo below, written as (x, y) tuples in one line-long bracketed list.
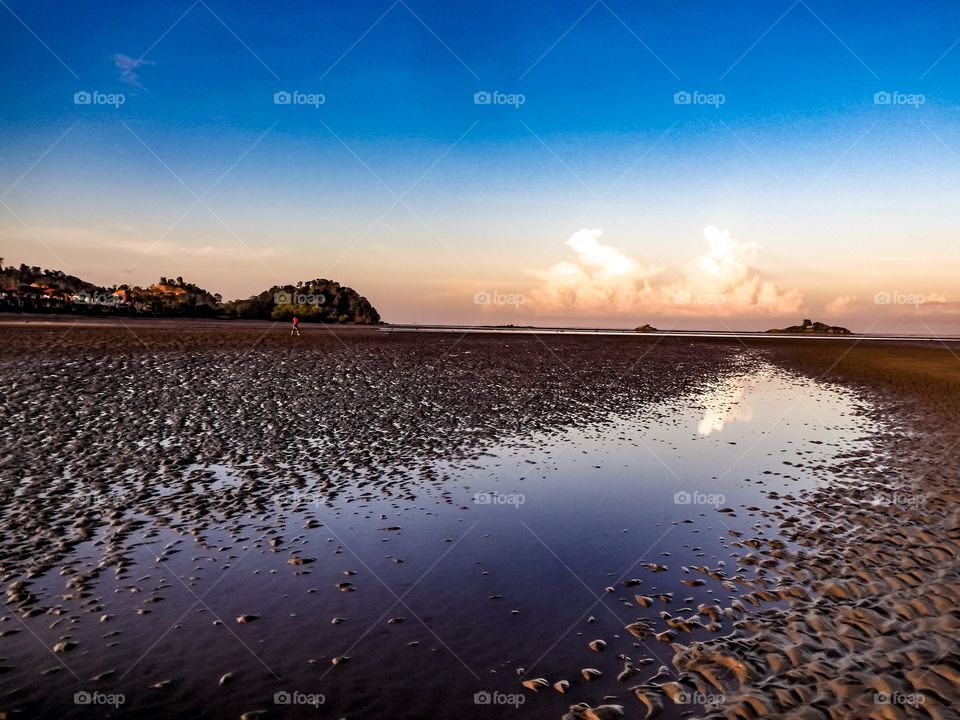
[(129, 412), (862, 620)]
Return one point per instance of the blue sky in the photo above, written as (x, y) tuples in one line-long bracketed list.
[(784, 147)]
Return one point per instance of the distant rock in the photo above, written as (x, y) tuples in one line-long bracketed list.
[(817, 328), (646, 328)]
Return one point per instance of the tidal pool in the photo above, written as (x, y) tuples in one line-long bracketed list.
[(503, 569)]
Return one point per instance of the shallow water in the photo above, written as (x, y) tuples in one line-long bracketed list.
[(504, 566)]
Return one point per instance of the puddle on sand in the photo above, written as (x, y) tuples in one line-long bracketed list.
[(506, 569)]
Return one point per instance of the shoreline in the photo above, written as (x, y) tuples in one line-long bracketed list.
[(61, 319)]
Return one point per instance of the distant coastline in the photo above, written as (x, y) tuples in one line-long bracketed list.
[(29, 289)]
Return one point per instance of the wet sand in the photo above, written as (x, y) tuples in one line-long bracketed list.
[(198, 516)]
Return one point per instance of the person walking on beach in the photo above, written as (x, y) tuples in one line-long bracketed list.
[(295, 328)]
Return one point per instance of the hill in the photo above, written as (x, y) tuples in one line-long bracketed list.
[(317, 300), (31, 289), (814, 327)]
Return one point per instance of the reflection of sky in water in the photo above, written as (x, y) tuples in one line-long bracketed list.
[(728, 403), (485, 588)]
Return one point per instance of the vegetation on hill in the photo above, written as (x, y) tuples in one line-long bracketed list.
[(174, 297), (30, 289), (317, 300), (13, 278)]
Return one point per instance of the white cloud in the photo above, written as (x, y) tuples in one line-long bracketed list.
[(605, 279), (841, 305), (128, 68)]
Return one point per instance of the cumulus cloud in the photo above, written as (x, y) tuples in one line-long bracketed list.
[(603, 278), (606, 279), (128, 69), (841, 305)]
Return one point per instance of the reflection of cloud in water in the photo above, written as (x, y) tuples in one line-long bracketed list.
[(726, 404)]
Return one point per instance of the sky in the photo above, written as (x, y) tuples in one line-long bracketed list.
[(735, 165)]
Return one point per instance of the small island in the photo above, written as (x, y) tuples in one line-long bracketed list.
[(817, 328), (646, 328)]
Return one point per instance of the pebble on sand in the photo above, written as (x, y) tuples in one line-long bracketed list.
[(536, 684)]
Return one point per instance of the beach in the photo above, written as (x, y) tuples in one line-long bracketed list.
[(216, 519)]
